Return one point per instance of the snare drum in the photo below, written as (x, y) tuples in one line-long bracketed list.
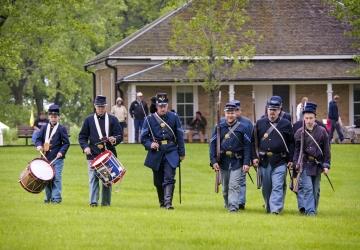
[(108, 168), (36, 175)]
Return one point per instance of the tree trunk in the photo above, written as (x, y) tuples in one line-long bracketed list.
[(17, 91), (39, 99), (212, 112), (58, 96)]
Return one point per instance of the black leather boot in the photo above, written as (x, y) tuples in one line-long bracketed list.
[(169, 191), (160, 193)]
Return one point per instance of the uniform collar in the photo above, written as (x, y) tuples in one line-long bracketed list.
[(102, 117), (315, 125), (276, 120), (232, 124)]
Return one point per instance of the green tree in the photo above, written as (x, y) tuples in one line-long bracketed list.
[(349, 12), (215, 42), (43, 46)]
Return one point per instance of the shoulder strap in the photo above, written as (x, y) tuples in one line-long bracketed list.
[(232, 130), (271, 128), (313, 139), (287, 149), (160, 121)]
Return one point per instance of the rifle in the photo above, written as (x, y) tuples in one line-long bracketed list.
[(300, 160), (258, 174), (180, 182), (218, 175), (251, 179)]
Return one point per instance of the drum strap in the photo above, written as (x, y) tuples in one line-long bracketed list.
[(98, 126), (49, 136)]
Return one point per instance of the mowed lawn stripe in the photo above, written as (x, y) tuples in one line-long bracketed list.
[(135, 220)]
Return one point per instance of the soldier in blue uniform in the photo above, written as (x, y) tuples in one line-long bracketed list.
[(276, 147), (54, 141), (247, 123), (282, 114), (298, 125), (316, 160), (235, 153), (99, 131), (163, 138)]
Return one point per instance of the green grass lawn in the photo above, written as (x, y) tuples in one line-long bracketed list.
[(134, 221)]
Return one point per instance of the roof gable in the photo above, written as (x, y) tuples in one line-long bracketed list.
[(288, 27)]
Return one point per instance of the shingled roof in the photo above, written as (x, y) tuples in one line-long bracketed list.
[(261, 70), (288, 27)]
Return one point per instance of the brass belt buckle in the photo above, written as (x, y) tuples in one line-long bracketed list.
[(164, 142), (269, 154), (311, 158), (228, 153)]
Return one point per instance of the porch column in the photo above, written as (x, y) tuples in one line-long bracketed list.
[(196, 98), (231, 92), (173, 98), (111, 90), (131, 96), (351, 104), (292, 102), (329, 92)]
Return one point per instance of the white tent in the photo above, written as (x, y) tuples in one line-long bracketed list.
[(3, 126)]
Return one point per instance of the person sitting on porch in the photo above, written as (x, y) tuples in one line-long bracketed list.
[(197, 126)]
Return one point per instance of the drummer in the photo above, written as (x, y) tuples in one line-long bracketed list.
[(100, 131), (53, 140)]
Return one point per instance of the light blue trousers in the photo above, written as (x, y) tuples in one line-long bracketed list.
[(230, 180), (273, 179), (94, 189), (242, 197), (53, 189), (309, 193)]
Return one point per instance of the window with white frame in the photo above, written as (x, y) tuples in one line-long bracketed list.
[(356, 102), (185, 104)]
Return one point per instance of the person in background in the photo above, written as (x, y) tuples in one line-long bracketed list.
[(300, 108), (39, 122), (197, 125), (333, 117), (138, 111), (120, 112)]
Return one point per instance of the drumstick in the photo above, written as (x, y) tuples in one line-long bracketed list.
[(106, 140), (53, 160), (43, 155)]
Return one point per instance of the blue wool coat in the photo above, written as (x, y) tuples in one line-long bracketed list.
[(59, 142), (174, 147), (88, 136)]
